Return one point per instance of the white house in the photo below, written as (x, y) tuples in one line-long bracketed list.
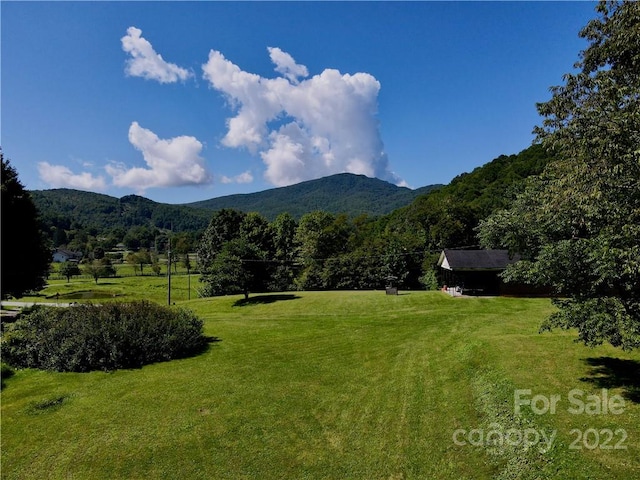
[(62, 255)]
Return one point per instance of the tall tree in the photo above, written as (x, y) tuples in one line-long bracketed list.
[(578, 224), (255, 229), (234, 253), (26, 254), (223, 227), (320, 236), (69, 269), (283, 229), (99, 269), (238, 268), (139, 259)]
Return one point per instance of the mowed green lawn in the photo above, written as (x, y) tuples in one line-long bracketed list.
[(123, 288), (336, 385)]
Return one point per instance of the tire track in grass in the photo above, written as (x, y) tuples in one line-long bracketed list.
[(508, 446), (501, 434)]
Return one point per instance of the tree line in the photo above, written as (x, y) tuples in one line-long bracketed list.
[(321, 250), (243, 252), (90, 222)]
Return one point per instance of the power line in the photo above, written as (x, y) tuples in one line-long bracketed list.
[(316, 259)]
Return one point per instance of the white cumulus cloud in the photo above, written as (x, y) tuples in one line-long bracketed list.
[(302, 128), (171, 162), (244, 177), (286, 65), (146, 63), (59, 176)]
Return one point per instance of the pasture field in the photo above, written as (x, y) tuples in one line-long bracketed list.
[(337, 385), (122, 288)]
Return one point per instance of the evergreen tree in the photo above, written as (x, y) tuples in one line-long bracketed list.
[(26, 253)]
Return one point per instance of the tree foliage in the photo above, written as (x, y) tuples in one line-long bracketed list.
[(240, 267), (69, 269), (26, 253), (73, 218), (234, 253), (334, 251), (447, 217), (139, 259), (84, 221), (99, 269), (223, 227), (283, 230), (578, 224), (320, 236)]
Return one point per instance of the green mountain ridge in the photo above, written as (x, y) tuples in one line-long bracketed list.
[(442, 210), (342, 193)]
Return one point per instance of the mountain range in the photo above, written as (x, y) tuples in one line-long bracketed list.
[(341, 193), (476, 194)]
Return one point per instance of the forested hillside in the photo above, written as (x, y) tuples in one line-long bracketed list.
[(74, 218), (425, 219), (71, 209), (342, 193), (322, 250), (449, 216)]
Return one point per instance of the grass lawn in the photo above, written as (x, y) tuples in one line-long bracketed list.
[(125, 288), (335, 385)]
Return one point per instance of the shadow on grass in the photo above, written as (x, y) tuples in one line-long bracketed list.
[(609, 372), (264, 299), (48, 405), (5, 372), (205, 345)]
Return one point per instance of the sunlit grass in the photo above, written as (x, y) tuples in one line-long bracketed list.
[(323, 385), (126, 288)]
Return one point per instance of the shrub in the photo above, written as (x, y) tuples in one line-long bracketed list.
[(5, 372), (102, 337), (429, 279)]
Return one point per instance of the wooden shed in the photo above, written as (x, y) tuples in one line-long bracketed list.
[(475, 272)]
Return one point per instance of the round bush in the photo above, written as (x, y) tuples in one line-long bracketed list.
[(102, 337)]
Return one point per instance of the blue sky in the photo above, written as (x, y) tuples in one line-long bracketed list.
[(182, 102)]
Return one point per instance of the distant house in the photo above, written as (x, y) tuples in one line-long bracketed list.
[(476, 272), (62, 255)]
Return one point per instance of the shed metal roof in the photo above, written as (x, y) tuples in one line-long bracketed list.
[(462, 260)]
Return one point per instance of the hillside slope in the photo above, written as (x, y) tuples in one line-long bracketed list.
[(71, 209), (341, 193), (456, 207), (449, 215)]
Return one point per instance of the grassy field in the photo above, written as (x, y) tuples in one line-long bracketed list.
[(125, 288), (335, 385)]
